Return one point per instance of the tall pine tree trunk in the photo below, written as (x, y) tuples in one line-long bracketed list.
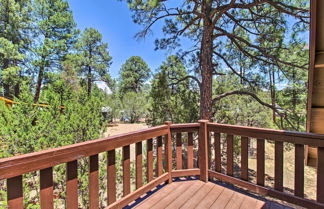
[(39, 83), (89, 81), (6, 84), (206, 65)]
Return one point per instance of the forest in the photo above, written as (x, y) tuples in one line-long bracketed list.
[(247, 65)]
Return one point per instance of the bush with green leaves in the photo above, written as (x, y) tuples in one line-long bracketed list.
[(26, 128)]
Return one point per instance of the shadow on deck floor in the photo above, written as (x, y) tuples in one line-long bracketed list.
[(189, 193)]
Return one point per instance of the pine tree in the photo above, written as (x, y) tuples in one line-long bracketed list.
[(133, 74), (177, 102), (55, 32), (94, 59), (15, 24)]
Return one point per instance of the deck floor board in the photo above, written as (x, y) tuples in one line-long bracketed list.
[(198, 194)]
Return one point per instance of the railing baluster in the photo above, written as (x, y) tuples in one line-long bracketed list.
[(278, 185), (126, 170), (111, 176), (245, 158), (230, 160), (320, 175), (178, 151), (72, 184), (46, 188), (94, 182), (260, 162), (138, 161), (190, 150), (218, 156), (159, 166), (203, 150), (15, 193), (149, 162), (209, 147), (299, 170), (168, 151)]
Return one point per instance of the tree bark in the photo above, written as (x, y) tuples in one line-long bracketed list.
[(39, 83), (6, 85), (89, 81), (206, 65)]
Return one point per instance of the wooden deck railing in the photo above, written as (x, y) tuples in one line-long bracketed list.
[(207, 156), (189, 154), (13, 168)]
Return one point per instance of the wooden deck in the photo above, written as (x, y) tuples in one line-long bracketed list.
[(198, 194), (177, 194)]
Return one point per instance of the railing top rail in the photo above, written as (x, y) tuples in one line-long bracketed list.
[(185, 127), (21, 164), (295, 137)]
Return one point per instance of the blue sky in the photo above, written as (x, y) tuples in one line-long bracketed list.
[(113, 20)]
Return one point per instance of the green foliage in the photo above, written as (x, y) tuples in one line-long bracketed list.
[(94, 59), (56, 35), (170, 101), (229, 39), (26, 128), (133, 74), (15, 19), (134, 106)]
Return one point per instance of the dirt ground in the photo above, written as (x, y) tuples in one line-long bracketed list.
[(121, 128), (124, 128)]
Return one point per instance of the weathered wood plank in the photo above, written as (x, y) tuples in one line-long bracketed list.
[(111, 177), (320, 175), (199, 196), (260, 162), (178, 151), (244, 158), (186, 127), (185, 196), (223, 199), (190, 150), (159, 160), (211, 197), (266, 191), (149, 160), (139, 192), (157, 196), (218, 156), (278, 185), (312, 139), (15, 193), (94, 182), (18, 165), (186, 172), (299, 170), (163, 203), (72, 184), (203, 150), (168, 151), (209, 149), (138, 162), (46, 188), (230, 155), (126, 171)]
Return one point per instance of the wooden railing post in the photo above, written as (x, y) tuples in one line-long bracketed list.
[(168, 151), (320, 174), (203, 150)]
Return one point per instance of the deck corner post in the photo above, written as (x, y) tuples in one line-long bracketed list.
[(203, 150), (168, 151)]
